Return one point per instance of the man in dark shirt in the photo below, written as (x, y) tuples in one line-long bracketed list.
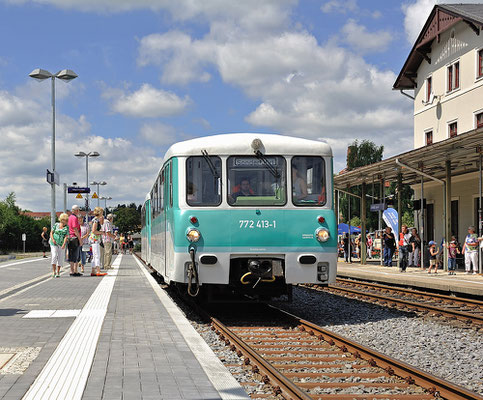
[(389, 246), (243, 189)]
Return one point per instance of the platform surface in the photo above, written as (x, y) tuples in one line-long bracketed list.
[(112, 337), (414, 277)]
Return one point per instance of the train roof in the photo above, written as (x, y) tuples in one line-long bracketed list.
[(240, 144)]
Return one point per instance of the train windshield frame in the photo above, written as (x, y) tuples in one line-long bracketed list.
[(309, 183), (256, 181), (203, 181)]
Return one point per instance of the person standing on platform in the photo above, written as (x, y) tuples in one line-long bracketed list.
[(107, 238), (345, 240), (84, 248), (45, 240), (470, 250), (415, 244), (95, 239), (58, 240), (404, 237), (369, 243), (433, 254), (452, 252), (74, 242), (389, 246)]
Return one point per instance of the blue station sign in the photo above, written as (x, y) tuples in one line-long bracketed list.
[(75, 189)]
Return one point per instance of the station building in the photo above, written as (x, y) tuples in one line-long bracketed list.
[(445, 72)]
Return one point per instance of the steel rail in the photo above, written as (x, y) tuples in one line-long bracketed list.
[(282, 385), (392, 366), (418, 306), (411, 291)]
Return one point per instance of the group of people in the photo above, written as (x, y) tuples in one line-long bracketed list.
[(409, 245), (75, 235)]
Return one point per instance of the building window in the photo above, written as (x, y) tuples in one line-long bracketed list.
[(479, 73), (453, 129), (429, 138), (453, 76), (479, 120), (429, 89)]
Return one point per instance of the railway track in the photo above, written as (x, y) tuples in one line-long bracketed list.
[(300, 360), (469, 311)]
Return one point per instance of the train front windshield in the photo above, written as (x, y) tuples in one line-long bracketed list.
[(256, 181)]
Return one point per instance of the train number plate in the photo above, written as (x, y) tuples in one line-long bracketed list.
[(259, 224)]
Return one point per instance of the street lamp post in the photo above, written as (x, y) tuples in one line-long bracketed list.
[(105, 198), (87, 155), (65, 75), (101, 183)]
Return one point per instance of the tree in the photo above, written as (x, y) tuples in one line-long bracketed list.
[(362, 154), (358, 155), (128, 218), (13, 223)]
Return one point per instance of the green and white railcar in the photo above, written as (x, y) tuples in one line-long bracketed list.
[(242, 213)]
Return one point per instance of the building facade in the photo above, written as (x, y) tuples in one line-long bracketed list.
[(445, 70)]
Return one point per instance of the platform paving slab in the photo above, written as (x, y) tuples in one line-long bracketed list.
[(141, 352), (414, 277)]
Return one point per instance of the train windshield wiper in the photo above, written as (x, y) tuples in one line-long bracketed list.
[(210, 163), (270, 167)]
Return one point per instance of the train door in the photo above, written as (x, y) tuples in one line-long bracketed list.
[(167, 208), (148, 230)]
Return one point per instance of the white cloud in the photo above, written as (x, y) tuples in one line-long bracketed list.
[(362, 41), (146, 102), (25, 130), (339, 6), (417, 12), (159, 134), (305, 88)]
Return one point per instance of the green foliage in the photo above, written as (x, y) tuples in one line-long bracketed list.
[(128, 218), (358, 155), (355, 221), (362, 154), (13, 224), (408, 218)]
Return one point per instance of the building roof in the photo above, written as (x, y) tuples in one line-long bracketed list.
[(463, 151), (442, 18)]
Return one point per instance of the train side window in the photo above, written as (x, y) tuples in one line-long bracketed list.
[(154, 200), (203, 181), (161, 190), (308, 181)]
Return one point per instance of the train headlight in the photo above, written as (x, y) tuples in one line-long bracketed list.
[(193, 234), (322, 234)]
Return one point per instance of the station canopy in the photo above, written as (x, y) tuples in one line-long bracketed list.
[(463, 151)]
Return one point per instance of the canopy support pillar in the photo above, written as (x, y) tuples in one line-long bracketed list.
[(363, 254)]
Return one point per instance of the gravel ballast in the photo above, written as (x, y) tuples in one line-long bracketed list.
[(449, 352)]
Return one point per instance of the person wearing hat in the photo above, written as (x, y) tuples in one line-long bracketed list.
[(453, 250), (433, 252)]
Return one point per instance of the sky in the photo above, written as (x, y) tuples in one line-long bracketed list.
[(155, 72)]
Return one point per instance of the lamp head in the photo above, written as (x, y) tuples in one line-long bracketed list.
[(94, 154), (40, 74), (66, 75), (102, 183), (80, 154)]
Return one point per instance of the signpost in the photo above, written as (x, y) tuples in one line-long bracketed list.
[(24, 238), (75, 189), (378, 207)]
